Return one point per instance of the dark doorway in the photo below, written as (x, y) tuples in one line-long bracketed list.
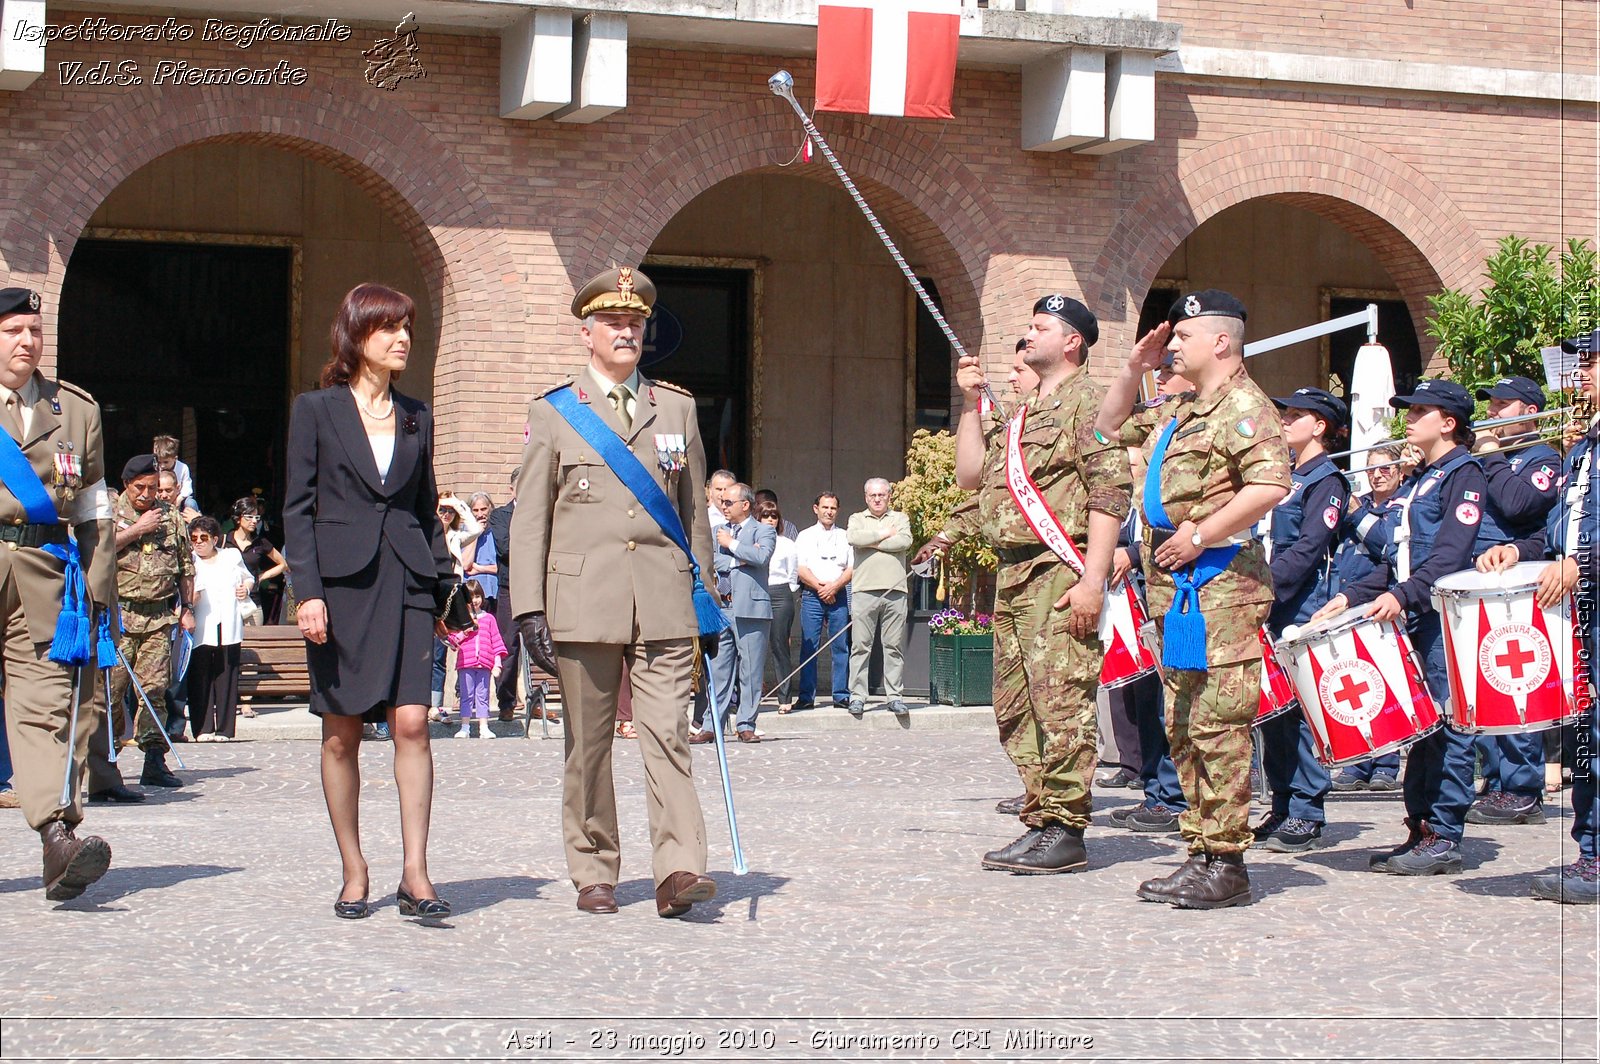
[(187, 340), (699, 338), (1396, 331)]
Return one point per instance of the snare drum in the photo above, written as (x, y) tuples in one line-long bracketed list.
[(1277, 693), (1514, 666), (1360, 687), (1122, 623)]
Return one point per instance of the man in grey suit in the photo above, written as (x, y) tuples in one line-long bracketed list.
[(744, 549)]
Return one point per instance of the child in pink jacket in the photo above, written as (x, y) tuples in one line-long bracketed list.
[(476, 654)]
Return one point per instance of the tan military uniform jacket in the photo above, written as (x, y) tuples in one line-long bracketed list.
[(1230, 439), (585, 551), (65, 419), (1074, 472)]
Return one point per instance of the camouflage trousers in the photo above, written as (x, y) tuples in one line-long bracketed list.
[(1044, 698), (1208, 727), (150, 654)]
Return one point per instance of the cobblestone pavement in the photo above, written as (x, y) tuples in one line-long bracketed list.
[(864, 930)]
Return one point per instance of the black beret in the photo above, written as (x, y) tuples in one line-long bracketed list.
[(19, 301), (1211, 302), (1073, 313), (140, 465)]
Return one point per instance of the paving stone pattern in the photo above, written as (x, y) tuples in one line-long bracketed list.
[(864, 929)]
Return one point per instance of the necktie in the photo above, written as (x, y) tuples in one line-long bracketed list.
[(13, 418), (622, 400)]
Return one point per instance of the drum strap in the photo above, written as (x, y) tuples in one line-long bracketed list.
[(1183, 644), (1576, 500)]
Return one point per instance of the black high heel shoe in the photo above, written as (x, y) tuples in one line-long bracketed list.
[(421, 908), (351, 910)]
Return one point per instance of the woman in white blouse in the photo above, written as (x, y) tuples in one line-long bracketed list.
[(783, 582), (221, 591), (461, 532)]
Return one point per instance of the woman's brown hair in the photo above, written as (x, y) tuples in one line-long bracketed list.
[(366, 309)]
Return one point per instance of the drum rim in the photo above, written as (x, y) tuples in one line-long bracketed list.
[(1442, 585), (1338, 624)]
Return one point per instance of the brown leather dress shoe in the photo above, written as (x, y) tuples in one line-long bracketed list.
[(678, 892), (700, 737), (598, 898), (748, 736), (71, 863)]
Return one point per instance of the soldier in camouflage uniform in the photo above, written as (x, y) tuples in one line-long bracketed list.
[(1047, 648), (155, 586), (1225, 466)]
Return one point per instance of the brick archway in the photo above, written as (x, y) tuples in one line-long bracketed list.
[(448, 220), (1422, 239), (946, 222)]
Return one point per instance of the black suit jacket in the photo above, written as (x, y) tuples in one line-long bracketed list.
[(337, 510), (500, 525)]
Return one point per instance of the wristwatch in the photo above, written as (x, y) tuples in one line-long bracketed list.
[(1195, 539)]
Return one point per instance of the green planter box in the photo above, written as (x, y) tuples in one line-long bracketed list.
[(961, 670)]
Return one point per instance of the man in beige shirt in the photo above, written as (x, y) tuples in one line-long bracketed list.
[(880, 537)]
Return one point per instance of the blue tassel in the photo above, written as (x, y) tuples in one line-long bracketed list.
[(70, 645), (1183, 637), (105, 645), (706, 611)]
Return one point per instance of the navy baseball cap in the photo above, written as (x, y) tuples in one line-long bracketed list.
[(1074, 313), (1332, 409), (1519, 388), (1587, 344), (1448, 396)]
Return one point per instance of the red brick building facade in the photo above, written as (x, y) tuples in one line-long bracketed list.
[(1409, 131)]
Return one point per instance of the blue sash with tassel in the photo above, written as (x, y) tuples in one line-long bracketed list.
[(1183, 637), (637, 479), (71, 643)]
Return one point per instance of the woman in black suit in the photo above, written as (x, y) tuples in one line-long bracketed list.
[(367, 553)]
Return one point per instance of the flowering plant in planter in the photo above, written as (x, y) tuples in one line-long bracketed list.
[(954, 622)]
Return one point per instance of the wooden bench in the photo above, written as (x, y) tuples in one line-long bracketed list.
[(272, 666)]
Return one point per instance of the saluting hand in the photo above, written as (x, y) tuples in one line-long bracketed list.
[(1151, 350)]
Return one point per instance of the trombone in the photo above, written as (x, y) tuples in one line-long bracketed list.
[(1536, 433)]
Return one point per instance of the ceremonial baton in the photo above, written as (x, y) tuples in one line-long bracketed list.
[(161, 724), (843, 628), (72, 737), (111, 720), (782, 84), (739, 865)]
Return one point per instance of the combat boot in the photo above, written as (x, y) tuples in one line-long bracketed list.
[(71, 863), (156, 773), (996, 860), (1011, 806), (1059, 849), (1379, 862), (1225, 883), (1161, 889)]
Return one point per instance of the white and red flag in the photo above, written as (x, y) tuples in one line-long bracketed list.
[(887, 57)]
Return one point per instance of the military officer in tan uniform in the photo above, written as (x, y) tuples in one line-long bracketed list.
[(1215, 470), (1047, 647), (155, 588), (57, 428), (600, 583)]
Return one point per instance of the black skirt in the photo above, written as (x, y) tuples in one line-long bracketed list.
[(379, 652)]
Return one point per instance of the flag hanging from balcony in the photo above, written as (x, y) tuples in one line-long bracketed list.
[(887, 57)]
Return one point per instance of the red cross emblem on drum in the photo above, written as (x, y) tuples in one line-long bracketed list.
[(1515, 659), (1353, 692)]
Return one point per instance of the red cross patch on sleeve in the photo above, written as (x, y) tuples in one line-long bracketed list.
[(1330, 517), (1468, 514)]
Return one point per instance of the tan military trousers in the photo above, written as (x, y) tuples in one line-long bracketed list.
[(591, 678), (1044, 696), (38, 695)]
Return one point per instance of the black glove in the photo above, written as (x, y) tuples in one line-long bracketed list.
[(709, 644), (535, 632)]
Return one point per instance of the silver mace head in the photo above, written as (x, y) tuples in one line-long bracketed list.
[(782, 84)]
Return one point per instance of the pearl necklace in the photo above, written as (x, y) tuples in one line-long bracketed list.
[(367, 411)]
